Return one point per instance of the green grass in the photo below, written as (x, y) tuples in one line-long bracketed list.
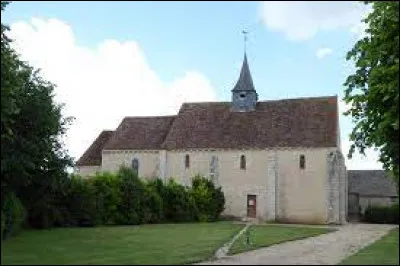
[(146, 244), (384, 251), (267, 235)]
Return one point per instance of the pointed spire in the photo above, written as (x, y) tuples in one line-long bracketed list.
[(245, 82)]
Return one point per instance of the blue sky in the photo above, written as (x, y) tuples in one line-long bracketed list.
[(184, 51)]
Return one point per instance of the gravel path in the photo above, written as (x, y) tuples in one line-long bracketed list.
[(326, 249)]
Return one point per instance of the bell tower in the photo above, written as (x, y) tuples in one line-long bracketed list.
[(244, 96)]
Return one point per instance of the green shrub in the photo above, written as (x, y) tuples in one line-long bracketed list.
[(158, 188), (179, 206), (382, 214), (107, 194), (43, 215), (218, 203), (81, 202), (3, 223), (132, 191), (50, 209), (156, 185), (13, 215), (122, 198), (209, 200), (151, 210)]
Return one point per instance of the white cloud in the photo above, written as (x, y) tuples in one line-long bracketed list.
[(100, 86), (323, 52), (304, 19)]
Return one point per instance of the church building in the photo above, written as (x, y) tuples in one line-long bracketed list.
[(276, 160)]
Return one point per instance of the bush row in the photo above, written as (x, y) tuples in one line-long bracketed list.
[(382, 214), (118, 199)]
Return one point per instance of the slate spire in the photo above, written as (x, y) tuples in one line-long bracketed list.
[(245, 81), (244, 95)]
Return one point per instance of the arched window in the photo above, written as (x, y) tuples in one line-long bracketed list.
[(135, 165), (302, 161), (242, 162), (187, 161)]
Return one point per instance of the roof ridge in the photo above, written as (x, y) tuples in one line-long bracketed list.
[(150, 116), (265, 101), (205, 102), (302, 98)]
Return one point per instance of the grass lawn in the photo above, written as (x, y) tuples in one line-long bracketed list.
[(267, 235), (146, 244), (385, 251)]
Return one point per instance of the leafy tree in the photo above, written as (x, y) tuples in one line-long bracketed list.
[(373, 90), (32, 157)]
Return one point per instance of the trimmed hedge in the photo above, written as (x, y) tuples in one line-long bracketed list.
[(116, 199), (106, 190), (382, 214)]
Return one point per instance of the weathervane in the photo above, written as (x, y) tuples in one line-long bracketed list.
[(245, 38)]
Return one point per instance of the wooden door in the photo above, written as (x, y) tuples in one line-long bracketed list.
[(252, 206)]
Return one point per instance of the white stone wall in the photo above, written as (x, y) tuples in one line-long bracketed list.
[(302, 192), (336, 188), (162, 164), (284, 191), (87, 171), (148, 161), (343, 194), (272, 181), (257, 179)]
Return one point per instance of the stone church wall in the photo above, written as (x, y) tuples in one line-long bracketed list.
[(148, 161), (284, 192), (236, 183), (302, 192), (337, 195), (87, 170)]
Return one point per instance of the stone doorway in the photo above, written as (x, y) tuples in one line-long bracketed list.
[(251, 206), (353, 206)]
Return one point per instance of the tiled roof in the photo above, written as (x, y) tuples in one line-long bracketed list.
[(303, 122), (92, 155), (140, 133), (371, 183)]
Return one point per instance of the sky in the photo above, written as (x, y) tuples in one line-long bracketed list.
[(112, 59)]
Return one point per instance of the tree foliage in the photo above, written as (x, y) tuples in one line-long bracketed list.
[(373, 90), (33, 161)]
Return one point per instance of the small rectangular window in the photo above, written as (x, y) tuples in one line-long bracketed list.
[(135, 165), (187, 161), (243, 162), (302, 161)]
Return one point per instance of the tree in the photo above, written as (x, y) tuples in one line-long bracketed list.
[(373, 90), (33, 160)]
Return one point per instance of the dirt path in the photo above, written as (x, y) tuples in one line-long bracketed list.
[(327, 249)]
